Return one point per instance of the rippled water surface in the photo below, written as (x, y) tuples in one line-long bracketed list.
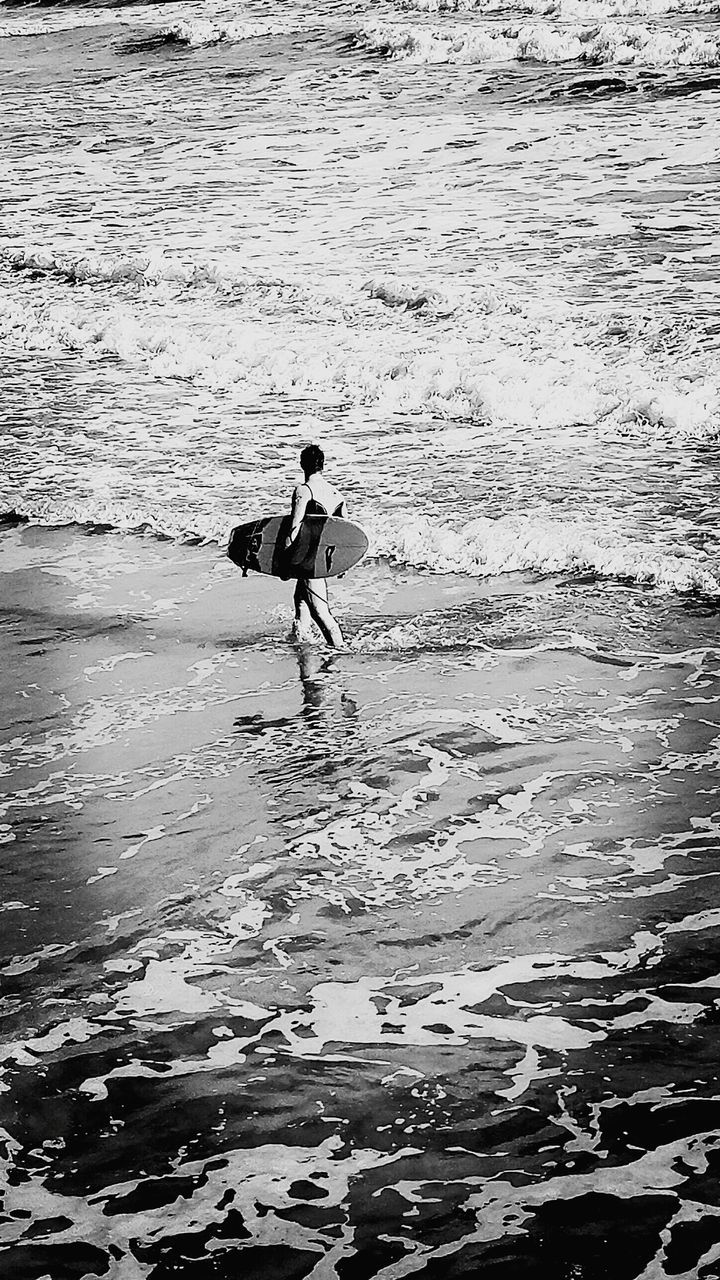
[(402, 961)]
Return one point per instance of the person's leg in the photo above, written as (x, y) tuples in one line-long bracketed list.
[(302, 610), (317, 601)]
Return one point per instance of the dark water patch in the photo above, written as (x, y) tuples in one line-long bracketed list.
[(47, 1226), (591, 1236), (700, 605), (155, 1193), (307, 1191), (61, 1261), (372, 1255), (42, 626), (246, 73), (647, 1125), (602, 86), (686, 87), (663, 83), (159, 40), (688, 1243), (583, 1235)]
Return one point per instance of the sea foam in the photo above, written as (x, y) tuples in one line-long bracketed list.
[(477, 356), (479, 548), (611, 42), (567, 10), (227, 271), (195, 26), (485, 547), (201, 32)]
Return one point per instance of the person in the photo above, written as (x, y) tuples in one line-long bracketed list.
[(316, 497)]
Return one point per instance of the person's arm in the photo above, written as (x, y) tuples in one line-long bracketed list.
[(300, 499)]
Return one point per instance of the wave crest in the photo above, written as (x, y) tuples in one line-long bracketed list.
[(485, 548), (201, 32), (195, 30), (226, 273), (617, 43), (430, 300), (567, 10), (481, 548), (488, 361)]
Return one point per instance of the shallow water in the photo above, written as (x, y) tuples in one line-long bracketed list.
[(401, 961), (406, 958)]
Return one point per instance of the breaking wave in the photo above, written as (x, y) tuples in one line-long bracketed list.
[(52, 24), (194, 30), (154, 267), (474, 356), (199, 32), (485, 548), (567, 10), (229, 274), (616, 43), (480, 548)]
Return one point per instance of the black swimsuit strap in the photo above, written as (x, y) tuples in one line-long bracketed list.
[(320, 508)]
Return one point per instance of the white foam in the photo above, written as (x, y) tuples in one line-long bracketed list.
[(611, 42), (150, 267), (494, 362), (567, 10), (344, 1016), (50, 24), (199, 32), (486, 547), (196, 29), (500, 368), (252, 1185), (431, 300), (478, 548)]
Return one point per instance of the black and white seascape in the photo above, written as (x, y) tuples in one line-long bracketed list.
[(402, 960)]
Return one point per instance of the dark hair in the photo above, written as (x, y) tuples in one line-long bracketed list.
[(312, 459)]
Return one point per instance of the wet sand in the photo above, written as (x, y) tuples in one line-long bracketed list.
[(362, 961)]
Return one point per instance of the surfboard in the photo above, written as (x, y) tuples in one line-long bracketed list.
[(325, 547)]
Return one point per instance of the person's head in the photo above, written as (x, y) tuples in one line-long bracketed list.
[(312, 459)]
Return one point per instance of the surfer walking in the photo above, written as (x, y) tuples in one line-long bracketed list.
[(315, 497)]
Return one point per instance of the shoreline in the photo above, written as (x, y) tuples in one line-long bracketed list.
[(203, 568)]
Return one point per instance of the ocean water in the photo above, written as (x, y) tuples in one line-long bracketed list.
[(402, 962)]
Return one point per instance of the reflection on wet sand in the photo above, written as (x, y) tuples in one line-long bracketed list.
[(407, 960), (324, 697)]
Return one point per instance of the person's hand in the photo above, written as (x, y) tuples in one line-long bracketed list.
[(288, 542)]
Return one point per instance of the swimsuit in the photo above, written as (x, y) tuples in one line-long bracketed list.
[(315, 508)]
